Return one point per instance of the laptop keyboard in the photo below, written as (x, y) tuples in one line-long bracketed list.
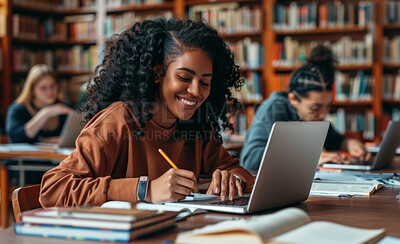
[(241, 201)]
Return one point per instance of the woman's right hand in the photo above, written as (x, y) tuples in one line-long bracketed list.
[(175, 184), (56, 110)]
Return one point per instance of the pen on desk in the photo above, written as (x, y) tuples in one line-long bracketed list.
[(168, 160)]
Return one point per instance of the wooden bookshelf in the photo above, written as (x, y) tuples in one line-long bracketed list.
[(10, 75), (356, 31), (267, 37)]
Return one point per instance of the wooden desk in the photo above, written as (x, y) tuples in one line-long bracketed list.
[(381, 210), (4, 184)]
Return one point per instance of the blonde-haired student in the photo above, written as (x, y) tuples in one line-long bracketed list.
[(38, 113), (164, 84)]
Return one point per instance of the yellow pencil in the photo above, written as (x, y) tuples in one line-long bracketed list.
[(167, 158)]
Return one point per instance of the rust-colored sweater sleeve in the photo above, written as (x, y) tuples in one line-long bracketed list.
[(215, 157), (84, 177)]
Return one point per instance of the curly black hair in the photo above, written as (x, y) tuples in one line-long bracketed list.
[(127, 72), (317, 74)]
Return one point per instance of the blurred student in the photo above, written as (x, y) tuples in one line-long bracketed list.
[(309, 98), (38, 114)]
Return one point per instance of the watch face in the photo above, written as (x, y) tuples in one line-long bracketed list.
[(143, 178)]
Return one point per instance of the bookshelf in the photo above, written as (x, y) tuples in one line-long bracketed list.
[(61, 35), (370, 25), (355, 26)]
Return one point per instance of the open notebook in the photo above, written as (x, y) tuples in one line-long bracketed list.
[(291, 225)]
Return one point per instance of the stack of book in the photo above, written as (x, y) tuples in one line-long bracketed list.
[(93, 223)]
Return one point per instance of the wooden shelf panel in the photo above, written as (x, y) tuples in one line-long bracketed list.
[(349, 103), (392, 102), (250, 103), (240, 35), (195, 2), (60, 73), (282, 69), (318, 30), (145, 7), (244, 70), (391, 66), (53, 42), (32, 10), (392, 26)]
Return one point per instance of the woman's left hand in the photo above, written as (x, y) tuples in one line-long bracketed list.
[(224, 183), (356, 148)]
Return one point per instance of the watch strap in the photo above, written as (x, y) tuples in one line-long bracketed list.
[(142, 187)]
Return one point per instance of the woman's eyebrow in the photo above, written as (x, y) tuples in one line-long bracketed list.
[(192, 71)]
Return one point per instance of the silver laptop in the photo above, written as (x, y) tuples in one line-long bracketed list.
[(384, 158), (286, 171), (70, 131)]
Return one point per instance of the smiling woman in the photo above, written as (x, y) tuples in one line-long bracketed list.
[(164, 84), (184, 88)]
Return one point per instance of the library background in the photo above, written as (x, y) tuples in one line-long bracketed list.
[(270, 39)]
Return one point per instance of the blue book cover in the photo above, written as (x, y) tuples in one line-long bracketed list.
[(96, 234)]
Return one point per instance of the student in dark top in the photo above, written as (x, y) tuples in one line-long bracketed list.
[(309, 98), (38, 114)]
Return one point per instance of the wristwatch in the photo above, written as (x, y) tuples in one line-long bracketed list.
[(142, 187)]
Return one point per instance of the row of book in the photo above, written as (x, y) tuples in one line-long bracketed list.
[(354, 89), (93, 223), (354, 122), (389, 114), (391, 87), (295, 16), (252, 89), (54, 4), (347, 88), (119, 3), (248, 54), (391, 50), (229, 18), (117, 23), (76, 58), (292, 52), (391, 11), (72, 87), (75, 28), (242, 118), (394, 115)]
